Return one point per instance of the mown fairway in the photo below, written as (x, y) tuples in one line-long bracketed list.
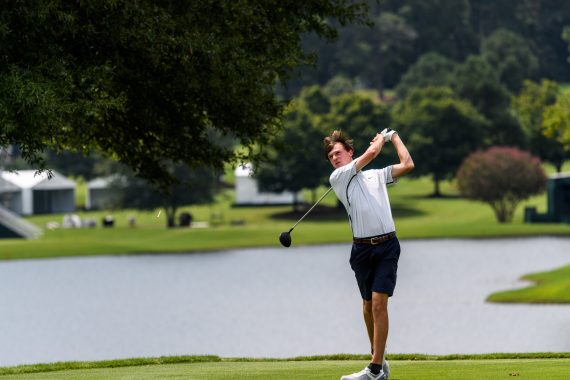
[(547, 369)]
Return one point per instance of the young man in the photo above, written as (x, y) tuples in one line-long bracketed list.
[(375, 248)]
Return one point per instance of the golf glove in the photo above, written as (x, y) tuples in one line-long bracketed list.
[(387, 134)]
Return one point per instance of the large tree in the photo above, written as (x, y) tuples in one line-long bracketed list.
[(148, 82), (510, 55), (529, 107), (298, 161), (440, 131), (478, 82)]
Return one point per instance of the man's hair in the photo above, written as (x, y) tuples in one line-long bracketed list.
[(336, 137)]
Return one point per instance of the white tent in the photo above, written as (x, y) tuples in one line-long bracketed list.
[(100, 194), (247, 190), (27, 192)]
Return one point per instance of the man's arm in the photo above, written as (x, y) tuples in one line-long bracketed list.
[(406, 164), (373, 150)]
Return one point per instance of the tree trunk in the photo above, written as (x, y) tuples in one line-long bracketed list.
[(295, 202), (170, 217), (436, 192)]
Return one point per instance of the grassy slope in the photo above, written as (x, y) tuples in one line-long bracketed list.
[(534, 366)]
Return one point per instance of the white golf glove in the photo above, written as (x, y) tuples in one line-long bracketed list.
[(387, 133)]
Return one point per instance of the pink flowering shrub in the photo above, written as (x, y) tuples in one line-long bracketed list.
[(501, 177)]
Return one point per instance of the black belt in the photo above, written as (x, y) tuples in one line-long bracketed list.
[(375, 239)]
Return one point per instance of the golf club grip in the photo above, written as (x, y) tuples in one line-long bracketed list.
[(303, 217)]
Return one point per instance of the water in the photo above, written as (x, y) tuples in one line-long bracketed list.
[(275, 302)]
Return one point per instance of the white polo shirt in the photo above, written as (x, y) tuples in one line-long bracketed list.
[(365, 197)]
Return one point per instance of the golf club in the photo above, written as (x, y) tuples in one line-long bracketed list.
[(285, 237)]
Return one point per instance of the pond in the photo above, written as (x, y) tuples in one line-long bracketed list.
[(275, 302)]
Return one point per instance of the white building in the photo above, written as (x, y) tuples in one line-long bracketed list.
[(100, 195), (26, 192), (247, 191)]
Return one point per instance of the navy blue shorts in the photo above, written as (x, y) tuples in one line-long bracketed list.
[(375, 267)]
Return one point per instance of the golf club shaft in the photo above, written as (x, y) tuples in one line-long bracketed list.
[(303, 217)]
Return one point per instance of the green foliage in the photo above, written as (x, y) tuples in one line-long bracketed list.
[(529, 107), (501, 177), (297, 161), (478, 82), (510, 55), (149, 83), (431, 69), (556, 122), (521, 30), (360, 114), (439, 129)]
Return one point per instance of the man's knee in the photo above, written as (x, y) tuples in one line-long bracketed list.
[(379, 303), (367, 306)]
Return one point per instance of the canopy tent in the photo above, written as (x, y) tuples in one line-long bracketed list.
[(27, 192)]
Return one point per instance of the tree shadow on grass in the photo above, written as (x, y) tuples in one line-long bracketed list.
[(333, 214), (319, 213), (401, 211), (433, 196)]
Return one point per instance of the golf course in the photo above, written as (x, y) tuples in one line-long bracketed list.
[(417, 215)]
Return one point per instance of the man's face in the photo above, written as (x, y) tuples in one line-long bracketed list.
[(339, 156)]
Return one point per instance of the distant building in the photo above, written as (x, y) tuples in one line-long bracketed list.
[(26, 192), (100, 195), (248, 194)]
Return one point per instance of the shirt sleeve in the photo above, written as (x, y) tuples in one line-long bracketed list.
[(385, 175)]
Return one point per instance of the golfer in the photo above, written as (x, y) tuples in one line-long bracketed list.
[(375, 248)]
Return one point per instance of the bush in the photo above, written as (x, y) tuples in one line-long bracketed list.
[(501, 177)]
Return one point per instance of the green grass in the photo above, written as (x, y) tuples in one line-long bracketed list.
[(410, 367), (416, 215), (549, 287)]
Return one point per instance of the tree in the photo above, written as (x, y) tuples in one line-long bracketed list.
[(431, 69), (390, 47), (501, 177), (556, 121), (478, 82), (361, 115), (509, 54), (442, 26), (297, 162), (149, 83), (439, 129), (529, 107), (195, 186)]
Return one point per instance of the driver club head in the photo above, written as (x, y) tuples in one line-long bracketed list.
[(285, 239)]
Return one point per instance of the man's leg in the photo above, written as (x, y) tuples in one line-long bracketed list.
[(380, 323), (369, 321)]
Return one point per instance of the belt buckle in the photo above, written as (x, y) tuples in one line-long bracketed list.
[(376, 240)]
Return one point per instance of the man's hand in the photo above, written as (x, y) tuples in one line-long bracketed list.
[(387, 133)]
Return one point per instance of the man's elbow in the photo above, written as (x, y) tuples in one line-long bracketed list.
[(409, 165)]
